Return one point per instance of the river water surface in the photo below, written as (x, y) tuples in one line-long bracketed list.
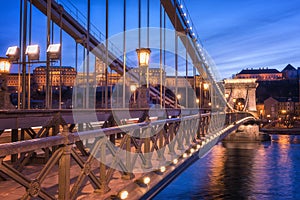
[(269, 170)]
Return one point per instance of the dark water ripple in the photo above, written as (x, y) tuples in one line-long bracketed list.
[(242, 171)]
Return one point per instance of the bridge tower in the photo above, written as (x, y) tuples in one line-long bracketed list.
[(240, 94)]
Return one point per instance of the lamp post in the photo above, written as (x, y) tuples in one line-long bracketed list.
[(54, 53), (205, 86), (4, 95), (133, 90), (198, 102), (206, 94), (143, 91), (33, 54), (13, 54)]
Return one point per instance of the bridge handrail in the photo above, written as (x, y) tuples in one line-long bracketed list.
[(29, 145), (188, 138)]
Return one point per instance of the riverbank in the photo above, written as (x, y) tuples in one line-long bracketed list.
[(282, 131)]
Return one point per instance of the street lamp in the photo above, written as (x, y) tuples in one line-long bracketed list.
[(234, 103), (133, 89), (4, 66), (33, 52), (143, 56), (4, 95), (178, 96), (54, 51), (205, 86), (13, 53), (143, 92)]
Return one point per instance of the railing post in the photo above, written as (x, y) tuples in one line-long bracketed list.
[(161, 144), (128, 153), (199, 128), (188, 133), (128, 175), (181, 135), (103, 181), (1, 161), (171, 138), (205, 126), (14, 138), (64, 168), (147, 148)]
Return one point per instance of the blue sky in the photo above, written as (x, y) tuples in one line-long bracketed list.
[(237, 33), (249, 33)]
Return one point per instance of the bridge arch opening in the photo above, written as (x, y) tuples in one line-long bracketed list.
[(240, 104)]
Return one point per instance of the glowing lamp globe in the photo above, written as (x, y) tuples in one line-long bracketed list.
[(4, 66), (143, 56)]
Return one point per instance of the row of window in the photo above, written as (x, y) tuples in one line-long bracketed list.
[(261, 77)]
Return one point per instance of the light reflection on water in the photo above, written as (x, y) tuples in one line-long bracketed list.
[(269, 170)]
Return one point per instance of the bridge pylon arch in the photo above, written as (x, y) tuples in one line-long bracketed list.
[(241, 94)]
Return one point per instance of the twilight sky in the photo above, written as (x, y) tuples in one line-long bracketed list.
[(249, 33), (237, 33)]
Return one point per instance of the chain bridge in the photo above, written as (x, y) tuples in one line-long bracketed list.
[(132, 126)]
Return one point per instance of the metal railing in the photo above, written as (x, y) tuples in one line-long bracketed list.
[(166, 139)]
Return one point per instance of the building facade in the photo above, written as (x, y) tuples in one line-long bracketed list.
[(261, 74), (278, 107), (13, 82), (64, 76)]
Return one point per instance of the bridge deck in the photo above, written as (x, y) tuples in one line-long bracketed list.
[(9, 190)]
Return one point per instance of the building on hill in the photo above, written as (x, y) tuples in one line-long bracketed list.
[(276, 88), (290, 72), (261, 74)]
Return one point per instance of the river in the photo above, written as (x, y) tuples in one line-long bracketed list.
[(269, 170)]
